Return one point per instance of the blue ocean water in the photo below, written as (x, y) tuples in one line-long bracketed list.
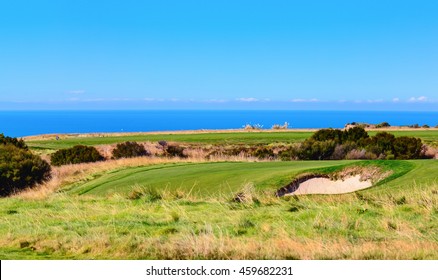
[(24, 123)]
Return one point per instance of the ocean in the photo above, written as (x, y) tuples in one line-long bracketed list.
[(25, 123)]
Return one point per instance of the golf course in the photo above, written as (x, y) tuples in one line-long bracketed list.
[(225, 206)]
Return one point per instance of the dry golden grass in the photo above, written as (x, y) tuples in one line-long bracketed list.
[(103, 245), (178, 226)]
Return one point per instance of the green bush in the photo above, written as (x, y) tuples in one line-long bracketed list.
[(20, 169), (381, 144), (355, 143), (175, 151), (383, 124), (328, 134), (355, 134), (316, 150), (77, 154), (263, 153), (129, 149), (19, 143), (341, 150), (408, 148)]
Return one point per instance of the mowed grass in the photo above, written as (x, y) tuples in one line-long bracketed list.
[(204, 138), (225, 179), (199, 179), (249, 138)]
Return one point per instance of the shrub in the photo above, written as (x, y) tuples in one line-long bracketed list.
[(408, 148), (341, 150), (77, 154), (129, 149), (328, 134), (354, 134), (316, 150), (19, 143), (383, 124), (381, 144), (20, 169), (289, 153), (263, 153), (356, 154), (175, 151), (425, 126), (355, 143), (162, 143)]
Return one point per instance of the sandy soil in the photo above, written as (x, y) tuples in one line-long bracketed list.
[(327, 186)]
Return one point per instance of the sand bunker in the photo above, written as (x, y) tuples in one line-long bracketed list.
[(320, 185), (347, 180)]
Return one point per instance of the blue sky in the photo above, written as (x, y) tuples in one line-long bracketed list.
[(348, 55)]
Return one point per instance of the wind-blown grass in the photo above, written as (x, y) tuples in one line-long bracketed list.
[(353, 226)]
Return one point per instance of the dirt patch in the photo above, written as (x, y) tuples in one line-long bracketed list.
[(348, 180)]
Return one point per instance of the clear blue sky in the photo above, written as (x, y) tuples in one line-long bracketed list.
[(369, 55)]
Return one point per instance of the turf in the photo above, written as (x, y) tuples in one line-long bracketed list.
[(205, 138), (250, 138), (227, 178), (200, 179)]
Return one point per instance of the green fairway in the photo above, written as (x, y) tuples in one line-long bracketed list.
[(421, 173), (249, 138), (205, 138), (201, 179), (227, 178)]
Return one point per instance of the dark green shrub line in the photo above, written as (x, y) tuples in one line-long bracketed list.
[(129, 150), (19, 143), (77, 154), (355, 143)]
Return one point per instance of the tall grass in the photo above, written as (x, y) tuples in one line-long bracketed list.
[(173, 225)]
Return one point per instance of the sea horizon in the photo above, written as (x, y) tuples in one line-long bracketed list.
[(35, 122)]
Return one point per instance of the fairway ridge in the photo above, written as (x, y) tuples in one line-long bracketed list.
[(202, 179), (215, 179)]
